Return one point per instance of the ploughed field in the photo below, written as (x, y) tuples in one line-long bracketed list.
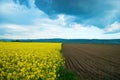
[(93, 61)]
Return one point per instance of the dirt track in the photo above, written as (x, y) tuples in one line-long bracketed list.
[(93, 61)]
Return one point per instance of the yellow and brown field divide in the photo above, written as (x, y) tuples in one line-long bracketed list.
[(35, 61)]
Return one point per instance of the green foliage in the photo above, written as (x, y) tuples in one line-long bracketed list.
[(65, 74)]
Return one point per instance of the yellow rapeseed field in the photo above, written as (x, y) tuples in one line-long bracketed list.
[(29, 61)]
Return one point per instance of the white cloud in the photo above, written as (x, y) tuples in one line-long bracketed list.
[(57, 31), (113, 27), (14, 28), (61, 32), (19, 14), (61, 19), (12, 9), (78, 26)]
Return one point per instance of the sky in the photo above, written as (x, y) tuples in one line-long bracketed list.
[(68, 19)]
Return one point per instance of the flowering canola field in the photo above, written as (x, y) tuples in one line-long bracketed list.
[(30, 61)]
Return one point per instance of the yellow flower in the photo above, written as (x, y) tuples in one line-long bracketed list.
[(30, 60)]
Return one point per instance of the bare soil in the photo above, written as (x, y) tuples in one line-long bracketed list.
[(93, 61)]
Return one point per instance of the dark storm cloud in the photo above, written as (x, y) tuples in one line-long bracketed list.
[(91, 12), (83, 8), (22, 2)]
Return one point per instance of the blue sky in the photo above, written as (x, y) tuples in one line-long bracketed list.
[(79, 19)]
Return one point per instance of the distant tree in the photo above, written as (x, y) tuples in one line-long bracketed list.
[(17, 40)]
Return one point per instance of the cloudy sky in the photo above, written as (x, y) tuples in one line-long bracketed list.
[(79, 19)]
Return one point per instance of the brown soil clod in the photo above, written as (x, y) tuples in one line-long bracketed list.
[(93, 61)]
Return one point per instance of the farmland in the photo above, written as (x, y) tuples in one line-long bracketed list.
[(30, 61), (57, 61), (93, 61)]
